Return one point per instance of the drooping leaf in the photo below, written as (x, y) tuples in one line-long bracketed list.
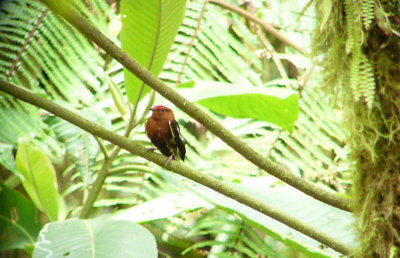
[(95, 238), (117, 97), (19, 221), (39, 179), (148, 31)]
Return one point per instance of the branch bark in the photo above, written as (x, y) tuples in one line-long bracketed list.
[(72, 16), (264, 25), (177, 167)]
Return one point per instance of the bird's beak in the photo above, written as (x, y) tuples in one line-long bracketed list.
[(152, 109)]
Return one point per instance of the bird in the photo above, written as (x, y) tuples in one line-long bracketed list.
[(164, 133)]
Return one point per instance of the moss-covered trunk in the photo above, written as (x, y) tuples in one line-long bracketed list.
[(377, 181), (362, 44)]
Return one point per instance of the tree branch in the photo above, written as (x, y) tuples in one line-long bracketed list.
[(177, 167), (265, 26), (108, 161), (67, 12)]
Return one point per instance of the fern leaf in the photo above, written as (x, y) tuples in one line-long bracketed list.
[(367, 12), (367, 81), (349, 19)]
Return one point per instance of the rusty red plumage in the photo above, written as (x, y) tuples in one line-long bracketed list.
[(164, 132)]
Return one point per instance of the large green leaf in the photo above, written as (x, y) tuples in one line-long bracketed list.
[(148, 31), (19, 221), (274, 105), (39, 179), (95, 238)]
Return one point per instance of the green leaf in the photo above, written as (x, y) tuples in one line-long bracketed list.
[(117, 97), (274, 105), (163, 207), (39, 179), (95, 238), (19, 221), (148, 31), (188, 84)]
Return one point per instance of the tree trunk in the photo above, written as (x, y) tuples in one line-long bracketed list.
[(372, 116)]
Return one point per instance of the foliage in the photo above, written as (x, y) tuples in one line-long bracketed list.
[(149, 29), (47, 55), (39, 179), (355, 70), (95, 237), (369, 70), (20, 222)]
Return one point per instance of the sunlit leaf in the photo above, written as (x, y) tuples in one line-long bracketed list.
[(149, 28), (277, 106), (39, 179), (95, 238)]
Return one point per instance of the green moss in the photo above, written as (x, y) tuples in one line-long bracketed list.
[(365, 82)]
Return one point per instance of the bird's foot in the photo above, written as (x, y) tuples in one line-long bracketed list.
[(151, 149), (170, 158)]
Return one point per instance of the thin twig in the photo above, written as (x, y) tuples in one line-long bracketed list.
[(276, 59), (104, 171), (267, 27), (102, 147)]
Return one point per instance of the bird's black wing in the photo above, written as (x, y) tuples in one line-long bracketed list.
[(162, 146), (178, 139)]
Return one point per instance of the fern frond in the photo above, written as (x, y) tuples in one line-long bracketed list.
[(229, 233), (367, 12), (349, 19), (216, 54), (354, 71), (366, 82), (45, 47)]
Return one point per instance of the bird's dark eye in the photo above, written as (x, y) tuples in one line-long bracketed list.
[(162, 110)]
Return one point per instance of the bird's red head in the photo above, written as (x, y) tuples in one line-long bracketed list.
[(162, 112)]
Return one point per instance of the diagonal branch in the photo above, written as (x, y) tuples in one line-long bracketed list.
[(91, 32), (177, 167), (264, 25)]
